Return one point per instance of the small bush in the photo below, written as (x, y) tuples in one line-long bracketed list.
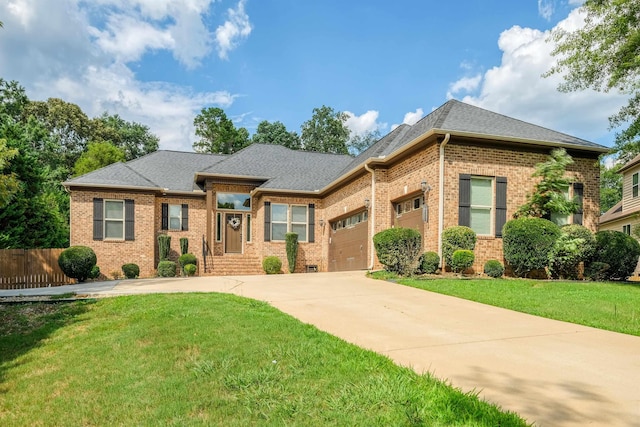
[(184, 245), (493, 268), (164, 246), (398, 249), (291, 240), (429, 262), (596, 271), (95, 272), (461, 260), (528, 243), (167, 269), (187, 259), (454, 238), (77, 262), (131, 270), (190, 269), (576, 244), (619, 251), (272, 265)]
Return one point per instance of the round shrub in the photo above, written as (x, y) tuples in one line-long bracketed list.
[(528, 243), (131, 270), (272, 265), (429, 262), (461, 260), (619, 251), (190, 269), (167, 269), (493, 268), (454, 238), (77, 262), (576, 244), (95, 272), (398, 249), (187, 259)]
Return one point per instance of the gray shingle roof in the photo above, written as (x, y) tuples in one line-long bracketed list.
[(281, 168)]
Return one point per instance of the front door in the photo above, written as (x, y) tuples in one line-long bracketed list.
[(233, 233)]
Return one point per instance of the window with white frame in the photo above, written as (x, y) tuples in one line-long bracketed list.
[(279, 221), (481, 209), (626, 229), (114, 219), (299, 221), (285, 218), (634, 186), (175, 217), (561, 219)]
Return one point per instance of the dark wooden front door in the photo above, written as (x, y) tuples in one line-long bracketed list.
[(233, 233)]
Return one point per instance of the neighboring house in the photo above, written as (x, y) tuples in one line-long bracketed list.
[(459, 165), (625, 215)]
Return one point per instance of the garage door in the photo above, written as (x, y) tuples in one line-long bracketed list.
[(348, 246)]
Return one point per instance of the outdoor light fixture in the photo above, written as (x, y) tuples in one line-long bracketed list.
[(322, 223), (366, 203), (425, 187)]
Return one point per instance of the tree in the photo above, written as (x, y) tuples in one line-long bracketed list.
[(610, 186), (133, 139), (549, 195), (276, 133), (9, 183), (13, 99), (217, 133), (358, 143), (603, 55), (98, 155), (325, 131)]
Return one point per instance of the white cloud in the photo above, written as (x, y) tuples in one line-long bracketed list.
[(236, 28), (516, 87), (366, 122), (410, 118), (466, 84), (546, 8)]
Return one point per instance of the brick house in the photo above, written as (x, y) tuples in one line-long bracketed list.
[(625, 215), (459, 165)]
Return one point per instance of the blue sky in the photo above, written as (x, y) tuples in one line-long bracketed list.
[(159, 62)]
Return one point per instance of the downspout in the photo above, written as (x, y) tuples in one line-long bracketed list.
[(441, 197), (372, 215)]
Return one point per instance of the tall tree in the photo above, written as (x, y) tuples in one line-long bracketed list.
[(134, 139), (549, 195), (13, 99), (610, 186), (217, 133), (604, 55), (358, 143), (276, 133), (325, 131), (98, 155), (9, 183)]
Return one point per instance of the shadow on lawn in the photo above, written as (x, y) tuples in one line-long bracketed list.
[(24, 326)]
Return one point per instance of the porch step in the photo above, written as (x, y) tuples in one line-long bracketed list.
[(232, 265)]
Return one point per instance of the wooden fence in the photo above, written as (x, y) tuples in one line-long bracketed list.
[(31, 268)]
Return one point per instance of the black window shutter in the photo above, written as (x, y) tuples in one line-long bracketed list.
[(267, 221), (312, 222), (501, 204), (97, 219), (129, 220), (578, 192), (165, 217), (464, 202), (185, 217)]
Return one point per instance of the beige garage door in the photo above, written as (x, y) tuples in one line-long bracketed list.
[(348, 248)]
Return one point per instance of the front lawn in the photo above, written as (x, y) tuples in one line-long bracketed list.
[(206, 359), (606, 305)]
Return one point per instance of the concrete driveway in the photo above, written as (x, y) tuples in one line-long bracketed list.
[(552, 373)]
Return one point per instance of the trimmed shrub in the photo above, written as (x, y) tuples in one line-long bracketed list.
[(461, 260), (493, 268), (187, 259), (619, 251), (190, 269), (291, 240), (454, 238), (429, 262), (95, 272), (528, 243), (576, 244), (167, 269), (131, 270), (164, 246), (184, 245), (77, 262), (398, 249), (272, 265), (596, 271)]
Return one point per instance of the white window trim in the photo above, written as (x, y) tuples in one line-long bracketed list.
[(179, 217), (635, 190), (491, 207), (105, 219), (305, 223), (219, 229), (286, 221), (248, 226)]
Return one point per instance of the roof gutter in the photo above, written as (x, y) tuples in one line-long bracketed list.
[(372, 216), (441, 197)]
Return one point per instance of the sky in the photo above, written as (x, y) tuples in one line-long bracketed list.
[(160, 62)]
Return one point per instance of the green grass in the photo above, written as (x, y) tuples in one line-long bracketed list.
[(208, 359), (605, 305)]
